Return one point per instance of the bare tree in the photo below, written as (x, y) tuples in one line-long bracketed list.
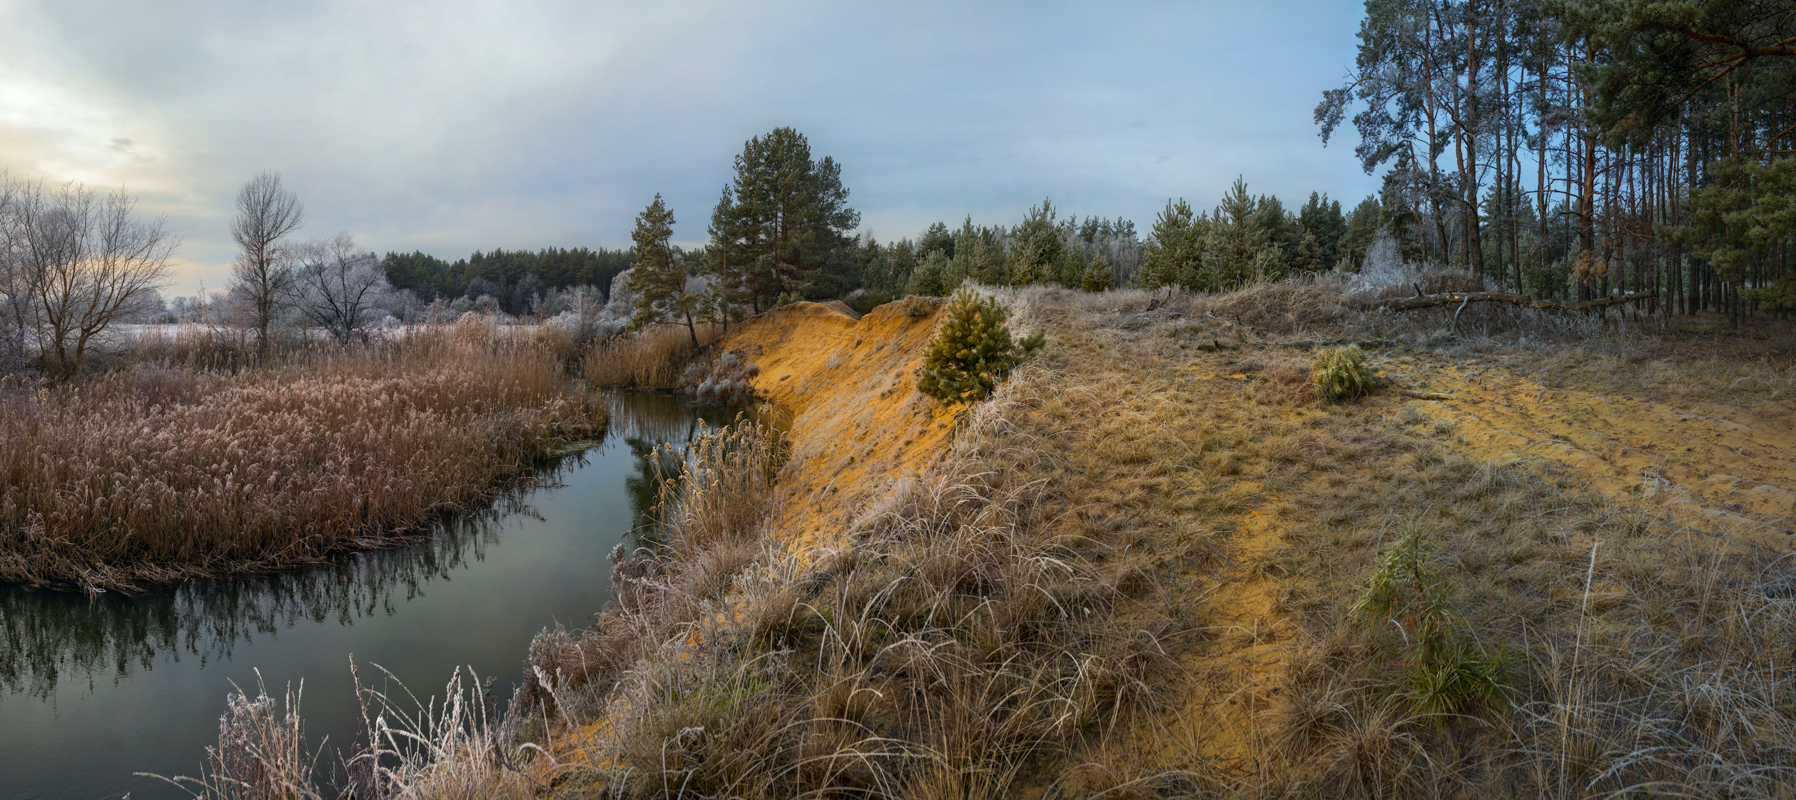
[(264, 274), (342, 285), (15, 301), (86, 261)]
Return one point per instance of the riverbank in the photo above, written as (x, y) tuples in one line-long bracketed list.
[(1152, 565), (912, 612), (157, 472)]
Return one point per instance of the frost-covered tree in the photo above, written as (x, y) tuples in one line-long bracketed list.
[(342, 287), (264, 277), (83, 262)]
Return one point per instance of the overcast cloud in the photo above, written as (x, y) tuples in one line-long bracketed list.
[(455, 126)]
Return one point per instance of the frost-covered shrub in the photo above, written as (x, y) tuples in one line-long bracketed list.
[(724, 381)]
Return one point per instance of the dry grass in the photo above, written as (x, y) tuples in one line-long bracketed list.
[(444, 748), (647, 359), (261, 752), (964, 634), (211, 347), (1582, 645), (160, 472), (725, 481)]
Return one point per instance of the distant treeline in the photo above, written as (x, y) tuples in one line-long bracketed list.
[(511, 277), (1246, 238), (783, 231)]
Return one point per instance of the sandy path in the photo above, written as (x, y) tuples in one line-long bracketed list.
[(1726, 464)]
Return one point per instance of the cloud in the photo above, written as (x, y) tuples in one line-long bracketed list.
[(455, 126)]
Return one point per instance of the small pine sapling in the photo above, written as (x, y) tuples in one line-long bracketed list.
[(1341, 373), (1097, 276), (1449, 672), (971, 351)]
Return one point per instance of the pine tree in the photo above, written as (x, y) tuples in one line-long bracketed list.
[(970, 353), (1097, 275), (1175, 249), (1232, 257), (659, 276), (976, 254), (793, 216), (1070, 272), (1322, 218), (1309, 256), (727, 257), (938, 237), (1035, 247), (926, 279), (1362, 228)]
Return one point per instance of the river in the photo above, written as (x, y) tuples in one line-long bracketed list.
[(93, 690)]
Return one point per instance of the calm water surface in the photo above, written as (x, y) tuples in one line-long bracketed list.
[(93, 691)]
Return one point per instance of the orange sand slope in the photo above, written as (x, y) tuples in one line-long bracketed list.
[(857, 424)]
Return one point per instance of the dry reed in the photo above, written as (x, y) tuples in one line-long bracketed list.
[(160, 472), (261, 752), (646, 359), (444, 748), (725, 481)]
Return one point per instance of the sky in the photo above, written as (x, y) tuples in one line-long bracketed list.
[(453, 125)]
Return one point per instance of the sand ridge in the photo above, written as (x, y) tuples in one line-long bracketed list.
[(858, 425)]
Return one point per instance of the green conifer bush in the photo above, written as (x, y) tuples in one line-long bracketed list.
[(1341, 373), (970, 353), (1097, 276)]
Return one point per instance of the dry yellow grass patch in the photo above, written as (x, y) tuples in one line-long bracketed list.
[(1597, 613), (1721, 453)]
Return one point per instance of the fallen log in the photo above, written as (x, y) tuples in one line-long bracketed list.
[(1363, 343), (1426, 395), (1462, 299)]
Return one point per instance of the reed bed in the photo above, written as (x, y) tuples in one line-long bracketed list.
[(651, 358), (202, 347), (726, 479), (161, 471)]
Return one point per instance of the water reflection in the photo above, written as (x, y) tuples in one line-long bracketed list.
[(58, 636), (49, 638)]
